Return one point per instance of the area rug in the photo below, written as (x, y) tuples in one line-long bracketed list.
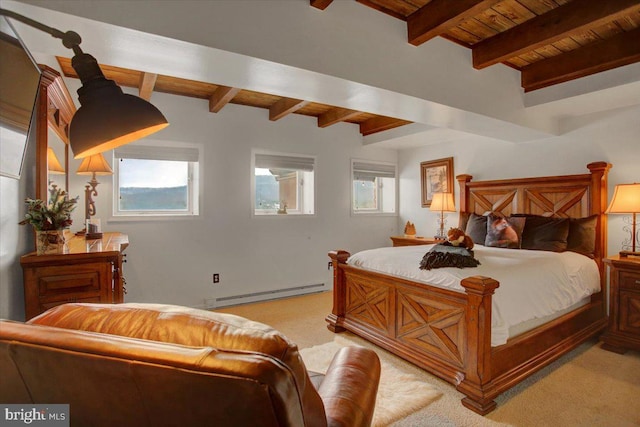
[(399, 393)]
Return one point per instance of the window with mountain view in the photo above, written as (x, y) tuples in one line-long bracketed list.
[(156, 180), (283, 184), (373, 187)]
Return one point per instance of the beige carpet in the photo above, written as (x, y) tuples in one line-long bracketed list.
[(399, 392), (587, 387)]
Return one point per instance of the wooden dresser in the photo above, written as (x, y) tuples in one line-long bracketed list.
[(624, 305), (88, 271)]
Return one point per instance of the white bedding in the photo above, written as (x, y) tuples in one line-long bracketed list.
[(533, 284)]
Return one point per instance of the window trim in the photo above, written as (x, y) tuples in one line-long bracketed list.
[(311, 163), (163, 150), (378, 210)]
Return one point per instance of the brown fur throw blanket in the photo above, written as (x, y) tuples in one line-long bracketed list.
[(447, 255)]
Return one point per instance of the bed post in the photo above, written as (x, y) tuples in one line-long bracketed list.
[(598, 202), (464, 192), (476, 384), (339, 291)]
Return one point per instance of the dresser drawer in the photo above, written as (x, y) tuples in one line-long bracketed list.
[(629, 280), (72, 279)]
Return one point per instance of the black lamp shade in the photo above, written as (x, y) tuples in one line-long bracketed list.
[(107, 117)]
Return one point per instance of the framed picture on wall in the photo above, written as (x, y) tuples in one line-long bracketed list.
[(436, 176)]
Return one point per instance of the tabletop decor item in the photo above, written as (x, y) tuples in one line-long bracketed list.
[(49, 220)]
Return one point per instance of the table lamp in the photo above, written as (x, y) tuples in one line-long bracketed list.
[(442, 202), (626, 200), (92, 165)]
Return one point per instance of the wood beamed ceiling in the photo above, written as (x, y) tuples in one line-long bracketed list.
[(219, 96), (548, 41)]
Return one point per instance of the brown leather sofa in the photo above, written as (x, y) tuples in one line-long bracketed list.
[(160, 365)]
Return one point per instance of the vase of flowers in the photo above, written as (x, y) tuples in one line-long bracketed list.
[(49, 220)]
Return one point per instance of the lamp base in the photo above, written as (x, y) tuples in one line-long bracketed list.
[(626, 254)]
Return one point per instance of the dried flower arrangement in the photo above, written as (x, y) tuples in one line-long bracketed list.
[(56, 215)]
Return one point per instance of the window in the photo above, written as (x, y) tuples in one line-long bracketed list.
[(373, 187), (283, 184), (159, 179)]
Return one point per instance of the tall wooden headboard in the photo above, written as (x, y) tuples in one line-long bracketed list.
[(568, 196)]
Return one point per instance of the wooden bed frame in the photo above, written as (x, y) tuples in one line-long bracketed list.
[(448, 333)]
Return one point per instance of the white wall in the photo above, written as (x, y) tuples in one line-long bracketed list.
[(612, 137), (172, 261), (15, 240)]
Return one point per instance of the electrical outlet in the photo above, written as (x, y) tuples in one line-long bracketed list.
[(216, 278), (330, 265)]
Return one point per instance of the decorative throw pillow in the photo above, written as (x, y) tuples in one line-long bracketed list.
[(504, 232), (476, 228), (545, 234), (582, 235)]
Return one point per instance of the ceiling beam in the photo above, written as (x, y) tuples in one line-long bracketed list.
[(548, 28), (320, 4), (438, 16), (221, 97), (335, 115), (622, 49), (379, 124), (147, 83), (284, 107)]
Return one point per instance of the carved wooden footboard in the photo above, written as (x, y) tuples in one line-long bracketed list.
[(448, 333)]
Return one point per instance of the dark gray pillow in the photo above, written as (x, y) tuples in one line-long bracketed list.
[(476, 228), (582, 235), (545, 234), (503, 232)]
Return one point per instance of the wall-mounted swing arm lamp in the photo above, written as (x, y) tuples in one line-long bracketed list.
[(107, 117)]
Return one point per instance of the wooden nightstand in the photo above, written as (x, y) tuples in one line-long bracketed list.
[(623, 332), (412, 241)]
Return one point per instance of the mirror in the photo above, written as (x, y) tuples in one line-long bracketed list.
[(54, 112)]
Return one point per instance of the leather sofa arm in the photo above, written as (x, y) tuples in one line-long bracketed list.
[(349, 388)]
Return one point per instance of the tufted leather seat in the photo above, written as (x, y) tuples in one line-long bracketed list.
[(163, 365)]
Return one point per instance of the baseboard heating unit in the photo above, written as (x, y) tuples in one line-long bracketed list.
[(211, 303)]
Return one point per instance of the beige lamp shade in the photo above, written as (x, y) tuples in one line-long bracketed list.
[(53, 165), (95, 164), (626, 199), (442, 202)]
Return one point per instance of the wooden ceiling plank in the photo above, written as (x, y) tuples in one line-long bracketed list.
[(335, 115), (514, 11), (320, 4), (620, 50), (147, 83), (379, 124), (399, 11), (438, 16), (549, 28), (221, 97), (284, 107)]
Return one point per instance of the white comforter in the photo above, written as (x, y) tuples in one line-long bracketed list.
[(533, 284)]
